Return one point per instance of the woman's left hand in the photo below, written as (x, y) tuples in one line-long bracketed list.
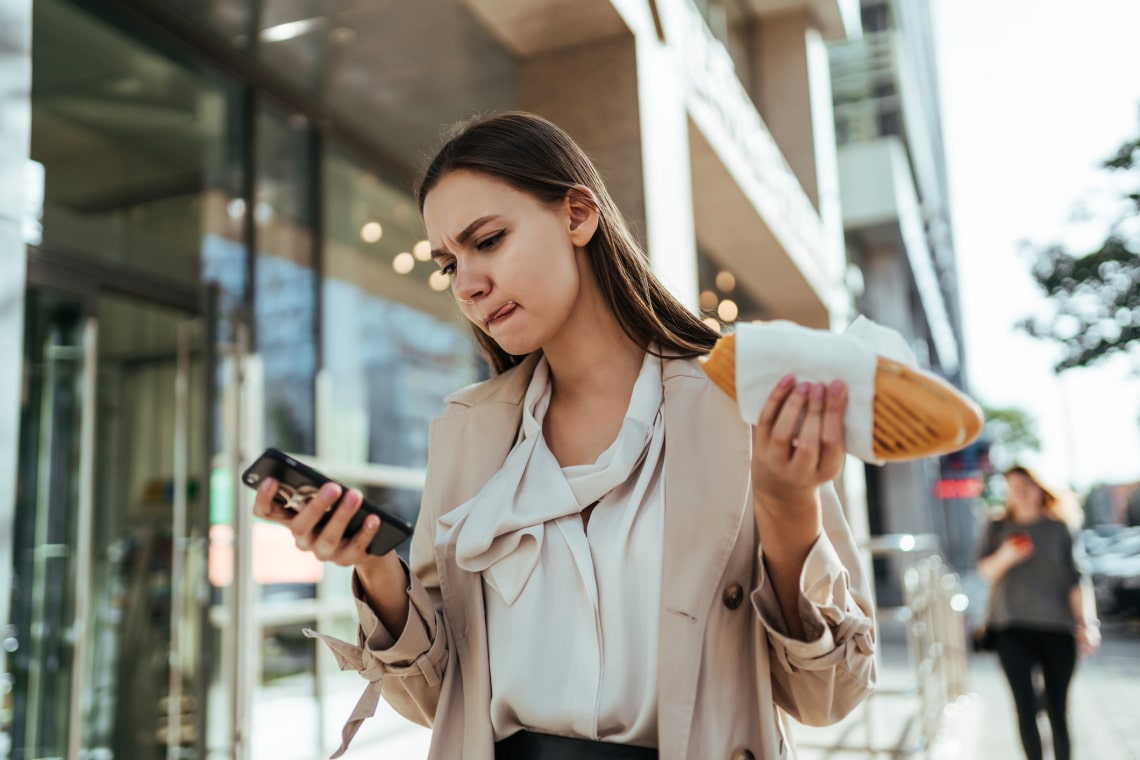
[(797, 444), (1088, 639)]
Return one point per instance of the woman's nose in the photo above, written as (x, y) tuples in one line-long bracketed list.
[(470, 285)]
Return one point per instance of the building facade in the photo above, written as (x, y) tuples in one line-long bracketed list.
[(208, 245), (896, 219)]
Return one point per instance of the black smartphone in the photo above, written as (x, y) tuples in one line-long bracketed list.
[(298, 483)]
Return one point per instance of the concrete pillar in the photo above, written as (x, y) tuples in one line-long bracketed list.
[(591, 92), (15, 125), (790, 80), (620, 99), (887, 289)]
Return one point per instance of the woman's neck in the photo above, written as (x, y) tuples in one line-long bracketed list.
[(594, 366), (1026, 516), (592, 356)]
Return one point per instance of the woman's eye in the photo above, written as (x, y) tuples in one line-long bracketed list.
[(448, 269), (489, 243)]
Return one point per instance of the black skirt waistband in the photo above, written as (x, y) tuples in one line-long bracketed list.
[(527, 745)]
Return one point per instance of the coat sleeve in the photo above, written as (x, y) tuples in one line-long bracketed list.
[(820, 679), (406, 669)]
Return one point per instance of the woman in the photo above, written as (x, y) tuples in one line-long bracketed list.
[(1040, 612), (607, 563)]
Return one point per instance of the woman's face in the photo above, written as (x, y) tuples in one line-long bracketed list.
[(512, 260), (1025, 497)]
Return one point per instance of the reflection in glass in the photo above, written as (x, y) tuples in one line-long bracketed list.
[(134, 539), (394, 347), (132, 146), (285, 298), (43, 535)]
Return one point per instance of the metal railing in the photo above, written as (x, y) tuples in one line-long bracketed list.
[(936, 641), (933, 613)]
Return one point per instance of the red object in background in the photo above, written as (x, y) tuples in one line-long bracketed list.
[(960, 488)]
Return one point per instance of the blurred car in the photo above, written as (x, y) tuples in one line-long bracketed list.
[(1112, 559)]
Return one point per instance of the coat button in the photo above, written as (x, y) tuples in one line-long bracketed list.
[(733, 597), (743, 754)]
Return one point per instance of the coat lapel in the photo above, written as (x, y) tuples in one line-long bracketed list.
[(470, 442), (707, 464)]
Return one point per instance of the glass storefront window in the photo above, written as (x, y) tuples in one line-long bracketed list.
[(285, 296), (142, 162), (133, 146), (394, 342), (356, 345)]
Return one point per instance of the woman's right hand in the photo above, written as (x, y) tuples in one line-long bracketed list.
[(382, 579), (328, 542), (1015, 550)]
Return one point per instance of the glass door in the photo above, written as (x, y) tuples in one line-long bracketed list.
[(53, 509), (113, 653), (144, 689)]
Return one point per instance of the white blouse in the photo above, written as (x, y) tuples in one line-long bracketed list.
[(572, 614)]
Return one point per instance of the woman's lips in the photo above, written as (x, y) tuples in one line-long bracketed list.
[(502, 313)]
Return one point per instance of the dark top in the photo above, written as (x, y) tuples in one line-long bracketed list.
[(1034, 593)]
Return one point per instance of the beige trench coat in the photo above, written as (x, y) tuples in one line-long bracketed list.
[(727, 674)]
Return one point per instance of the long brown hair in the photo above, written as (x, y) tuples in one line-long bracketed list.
[(1059, 505), (534, 156)]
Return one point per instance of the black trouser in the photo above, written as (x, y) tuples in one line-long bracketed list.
[(527, 745), (1020, 650)]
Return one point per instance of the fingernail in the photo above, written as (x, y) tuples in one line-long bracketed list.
[(817, 391), (354, 498), (372, 523), (786, 382), (803, 388), (268, 486), (837, 387), (330, 491)]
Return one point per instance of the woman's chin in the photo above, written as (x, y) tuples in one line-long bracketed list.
[(516, 345)]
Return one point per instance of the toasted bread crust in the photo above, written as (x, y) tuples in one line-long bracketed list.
[(915, 414)]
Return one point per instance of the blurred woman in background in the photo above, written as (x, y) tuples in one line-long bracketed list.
[(1040, 612)]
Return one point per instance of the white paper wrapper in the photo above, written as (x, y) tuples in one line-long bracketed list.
[(766, 351)]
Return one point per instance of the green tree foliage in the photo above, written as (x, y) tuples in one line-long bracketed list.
[(1096, 295), (1011, 432)]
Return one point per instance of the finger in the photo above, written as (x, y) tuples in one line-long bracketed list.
[(304, 523), (832, 445), (807, 440), (775, 401), (789, 417), (332, 533), (265, 505), (356, 549)]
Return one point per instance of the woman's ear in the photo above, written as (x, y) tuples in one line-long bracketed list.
[(583, 211)]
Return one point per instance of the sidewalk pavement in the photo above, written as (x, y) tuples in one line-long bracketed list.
[(1104, 720)]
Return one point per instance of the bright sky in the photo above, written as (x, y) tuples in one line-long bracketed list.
[(1035, 93)]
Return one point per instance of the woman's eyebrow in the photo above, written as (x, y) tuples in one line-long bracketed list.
[(466, 234)]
